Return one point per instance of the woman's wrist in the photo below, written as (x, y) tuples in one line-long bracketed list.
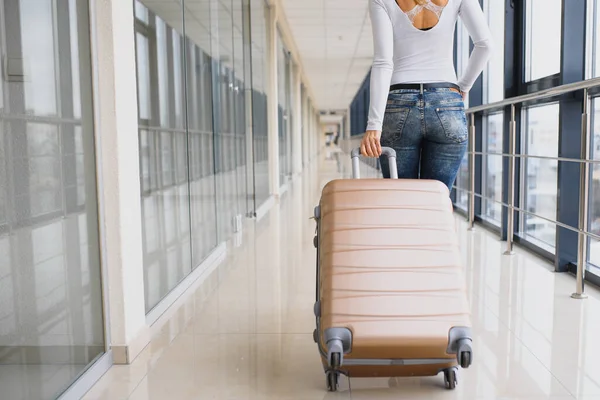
[(373, 126)]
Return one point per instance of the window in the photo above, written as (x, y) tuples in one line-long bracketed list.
[(462, 58), (51, 308), (543, 38), (492, 167), (163, 153), (284, 110), (462, 51), (539, 174), (594, 200), (143, 76), (494, 73), (462, 184), (593, 39)]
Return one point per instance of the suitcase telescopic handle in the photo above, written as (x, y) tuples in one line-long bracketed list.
[(385, 151)]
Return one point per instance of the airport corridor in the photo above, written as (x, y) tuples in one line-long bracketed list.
[(246, 331)]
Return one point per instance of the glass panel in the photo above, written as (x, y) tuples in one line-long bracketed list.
[(462, 51), (543, 38), (289, 68), (462, 184), (594, 201), (40, 88), (494, 74), (593, 39), (492, 166), (163, 152), (258, 26), (538, 175), (283, 110), (225, 113), (200, 132), (143, 75), (51, 317), (239, 108), (304, 128)]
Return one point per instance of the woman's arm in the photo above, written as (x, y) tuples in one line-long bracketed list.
[(472, 16), (383, 64)]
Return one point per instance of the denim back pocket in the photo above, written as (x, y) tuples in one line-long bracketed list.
[(454, 122), (395, 117)]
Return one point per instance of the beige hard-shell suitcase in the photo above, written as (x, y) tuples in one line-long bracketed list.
[(391, 293)]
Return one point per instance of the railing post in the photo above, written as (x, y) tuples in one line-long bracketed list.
[(511, 182), (472, 173), (584, 169)]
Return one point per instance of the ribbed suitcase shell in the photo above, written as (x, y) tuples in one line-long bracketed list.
[(389, 272)]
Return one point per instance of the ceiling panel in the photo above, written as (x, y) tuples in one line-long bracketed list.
[(335, 43)]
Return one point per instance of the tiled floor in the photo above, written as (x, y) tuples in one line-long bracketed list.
[(247, 332)]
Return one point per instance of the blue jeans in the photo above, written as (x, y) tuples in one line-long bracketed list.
[(428, 131)]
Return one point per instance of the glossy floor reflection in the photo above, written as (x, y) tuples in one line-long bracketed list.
[(246, 333)]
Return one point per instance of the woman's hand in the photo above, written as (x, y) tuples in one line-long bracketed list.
[(370, 145)]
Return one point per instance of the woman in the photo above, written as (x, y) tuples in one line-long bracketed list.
[(424, 119)]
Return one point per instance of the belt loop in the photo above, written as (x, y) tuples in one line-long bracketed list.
[(421, 85)]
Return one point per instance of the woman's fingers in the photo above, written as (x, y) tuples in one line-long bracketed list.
[(373, 144), (371, 149), (365, 147), (370, 145)]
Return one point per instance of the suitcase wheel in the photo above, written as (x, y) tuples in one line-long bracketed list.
[(464, 353), (332, 381), (335, 360), (450, 378), (465, 359)]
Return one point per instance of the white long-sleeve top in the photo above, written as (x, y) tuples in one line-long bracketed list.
[(406, 54)]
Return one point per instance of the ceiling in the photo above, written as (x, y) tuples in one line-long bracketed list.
[(335, 44)]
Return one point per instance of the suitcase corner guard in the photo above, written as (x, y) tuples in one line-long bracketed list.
[(460, 343), (338, 342)]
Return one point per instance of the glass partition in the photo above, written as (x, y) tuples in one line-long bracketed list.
[(201, 142), (542, 38), (539, 174), (593, 39), (492, 168), (241, 134), (194, 134), (594, 199), (163, 139), (283, 110), (260, 124), (493, 75), (224, 114), (51, 314), (462, 50), (461, 185)]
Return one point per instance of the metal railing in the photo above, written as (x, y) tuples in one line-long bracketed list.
[(584, 161)]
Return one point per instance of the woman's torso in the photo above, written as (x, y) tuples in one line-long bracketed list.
[(423, 55)]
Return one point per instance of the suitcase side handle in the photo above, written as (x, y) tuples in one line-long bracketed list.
[(385, 151)]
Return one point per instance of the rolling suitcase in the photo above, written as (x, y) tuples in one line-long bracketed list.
[(391, 294)]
